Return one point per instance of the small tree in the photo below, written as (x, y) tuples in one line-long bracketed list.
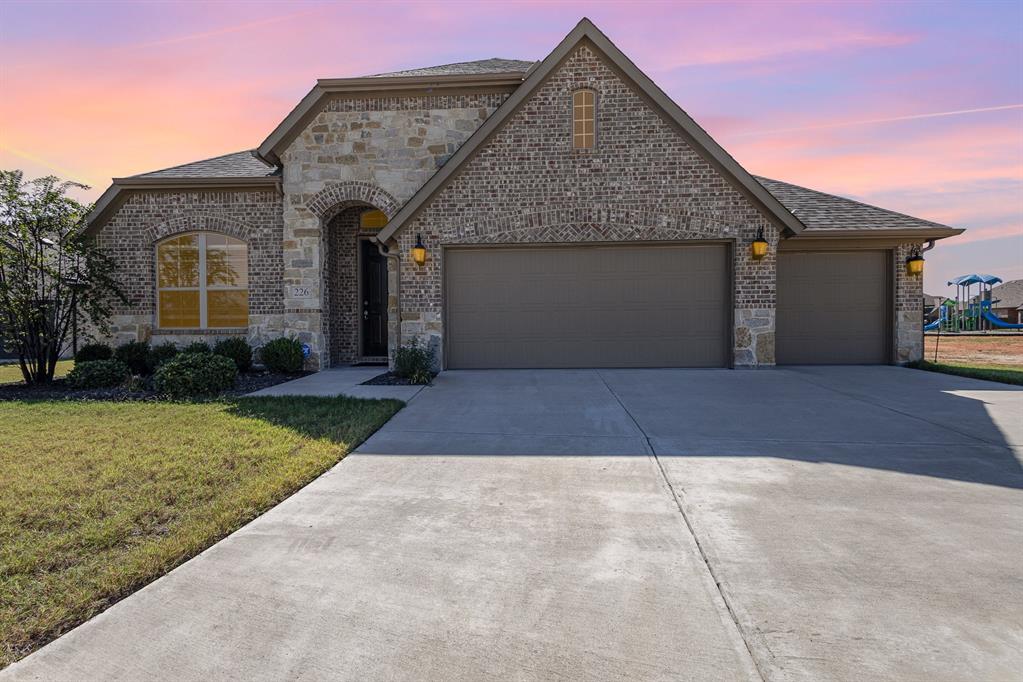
[(52, 277)]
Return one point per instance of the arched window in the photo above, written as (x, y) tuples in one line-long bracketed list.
[(583, 119), (373, 219), (202, 282)]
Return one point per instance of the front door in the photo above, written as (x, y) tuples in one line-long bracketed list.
[(374, 300)]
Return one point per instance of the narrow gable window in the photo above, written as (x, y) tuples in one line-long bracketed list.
[(582, 119)]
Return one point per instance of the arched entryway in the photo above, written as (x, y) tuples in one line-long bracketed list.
[(355, 278)]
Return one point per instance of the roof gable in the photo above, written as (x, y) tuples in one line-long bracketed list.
[(698, 138)]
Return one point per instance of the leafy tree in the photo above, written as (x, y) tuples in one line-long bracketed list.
[(53, 278)]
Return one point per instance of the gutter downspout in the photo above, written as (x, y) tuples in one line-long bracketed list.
[(386, 252)]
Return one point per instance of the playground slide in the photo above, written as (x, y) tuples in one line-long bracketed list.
[(932, 326), (998, 322)]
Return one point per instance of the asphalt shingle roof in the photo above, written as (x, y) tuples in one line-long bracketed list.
[(480, 66), (1008, 295), (820, 211), (817, 210), (236, 165)]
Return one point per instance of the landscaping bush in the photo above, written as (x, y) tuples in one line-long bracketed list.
[(282, 355), (414, 362), (94, 351), (136, 355), (98, 374), (237, 349), (190, 375), (161, 354), (197, 347)]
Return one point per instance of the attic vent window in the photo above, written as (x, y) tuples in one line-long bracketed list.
[(583, 119)]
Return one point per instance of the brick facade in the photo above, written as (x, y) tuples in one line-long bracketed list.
[(641, 182), (145, 218)]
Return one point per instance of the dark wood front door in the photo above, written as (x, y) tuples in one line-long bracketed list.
[(374, 300)]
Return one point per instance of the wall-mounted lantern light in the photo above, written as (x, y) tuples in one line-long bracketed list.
[(915, 263), (419, 251), (758, 247)]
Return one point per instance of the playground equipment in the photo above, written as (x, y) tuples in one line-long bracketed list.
[(971, 309)]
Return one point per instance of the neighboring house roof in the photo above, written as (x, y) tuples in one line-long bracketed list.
[(585, 30), (1008, 295), (235, 165), (480, 66), (823, 213)]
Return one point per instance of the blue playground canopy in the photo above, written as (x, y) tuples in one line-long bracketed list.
[(966, 280)]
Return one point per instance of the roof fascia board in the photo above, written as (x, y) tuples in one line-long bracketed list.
[(269, 151), (911, 233), (110, 199), (585, 29)]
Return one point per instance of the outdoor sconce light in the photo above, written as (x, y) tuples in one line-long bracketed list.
[(915, 263), (419, 251), (758, 247)]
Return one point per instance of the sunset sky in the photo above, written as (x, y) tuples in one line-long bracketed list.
[(913, 106)]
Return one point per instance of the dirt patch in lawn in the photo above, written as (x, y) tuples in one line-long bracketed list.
[(1001, 350)]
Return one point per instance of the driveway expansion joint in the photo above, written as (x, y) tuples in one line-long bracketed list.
[(722, 592)]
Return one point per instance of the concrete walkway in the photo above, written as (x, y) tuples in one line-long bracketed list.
[(794, 524), (340, 381)]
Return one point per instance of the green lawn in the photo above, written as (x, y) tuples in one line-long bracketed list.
[(100, 498), (11, 373), (1006, 374)]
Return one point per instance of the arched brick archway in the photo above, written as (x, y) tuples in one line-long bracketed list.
[(198, 222), (338, 207), (333, 199)]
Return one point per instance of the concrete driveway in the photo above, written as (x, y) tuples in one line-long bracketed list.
[(803, 524)]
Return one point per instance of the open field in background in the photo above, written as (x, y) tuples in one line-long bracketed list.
[(100, 498), (10, 373), (1002, 350), (995, 357)]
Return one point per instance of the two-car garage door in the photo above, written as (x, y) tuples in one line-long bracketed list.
[(588, 306)]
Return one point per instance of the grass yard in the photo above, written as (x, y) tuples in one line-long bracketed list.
[(11, 373), (992, 357), (100, 498)]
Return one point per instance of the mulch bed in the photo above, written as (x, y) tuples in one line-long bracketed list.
[(388, 379), (59, 389)]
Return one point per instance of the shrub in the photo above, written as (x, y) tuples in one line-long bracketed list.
[(161, 354), (197, 347), (136, 355), (94, 351), (414, 362), (237, 349), (282, 355), (98, 374), (189, 375)]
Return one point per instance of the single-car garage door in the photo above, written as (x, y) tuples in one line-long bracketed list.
[(587, 306), (833, 308)]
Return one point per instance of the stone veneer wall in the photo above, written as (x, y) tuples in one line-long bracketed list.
[(145, 218), (909, 314), (372, 151), (642, 182)]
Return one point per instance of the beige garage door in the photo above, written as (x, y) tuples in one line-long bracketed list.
[(587, 306), (833, 308)]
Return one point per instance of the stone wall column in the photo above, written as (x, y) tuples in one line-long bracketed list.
[(909, 314)]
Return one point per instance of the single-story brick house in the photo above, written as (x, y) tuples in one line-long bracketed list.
[(570, 215)]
